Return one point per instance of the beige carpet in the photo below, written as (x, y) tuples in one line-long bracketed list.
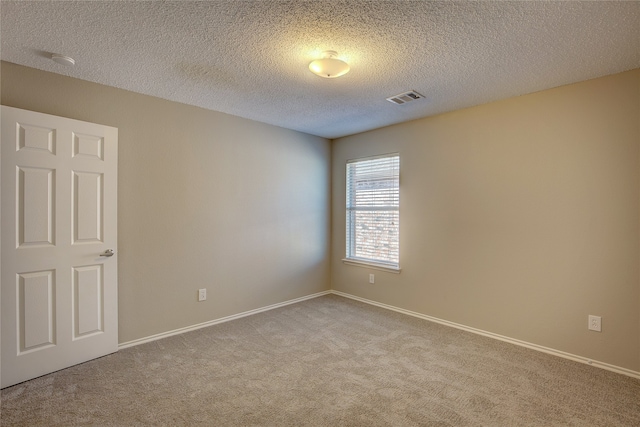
[(329, 361)]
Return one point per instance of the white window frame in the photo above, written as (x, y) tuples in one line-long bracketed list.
[(383, 201)]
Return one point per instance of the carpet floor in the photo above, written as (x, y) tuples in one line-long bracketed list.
[(328, 361)]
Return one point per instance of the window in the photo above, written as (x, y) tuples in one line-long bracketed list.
[(373, 211)]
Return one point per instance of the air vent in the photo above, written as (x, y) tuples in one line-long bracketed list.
[(405, 97)]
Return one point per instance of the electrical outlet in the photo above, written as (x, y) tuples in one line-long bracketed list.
[(372, 278), (595, 323), (202, 294)]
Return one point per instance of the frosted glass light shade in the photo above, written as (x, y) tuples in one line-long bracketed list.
[(63, 60), (329, 67)]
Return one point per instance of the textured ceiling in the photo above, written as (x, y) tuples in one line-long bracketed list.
[(250, 58)]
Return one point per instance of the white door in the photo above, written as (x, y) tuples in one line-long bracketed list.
[(59, 226)]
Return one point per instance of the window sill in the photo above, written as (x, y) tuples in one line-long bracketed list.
[(372, 265)]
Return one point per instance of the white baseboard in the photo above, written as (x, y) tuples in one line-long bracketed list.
[(565, 355), (576, 358), (217, 321)]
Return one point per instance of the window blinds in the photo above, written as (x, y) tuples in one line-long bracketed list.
[(373, 216)]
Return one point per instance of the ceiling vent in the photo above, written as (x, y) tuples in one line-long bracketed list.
[(405, 97)]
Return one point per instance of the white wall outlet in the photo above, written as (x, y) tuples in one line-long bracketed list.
[(595, 323), (202, 294), (372, 278)]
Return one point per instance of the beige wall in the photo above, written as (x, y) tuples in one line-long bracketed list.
[(205, 200), (519, 217)]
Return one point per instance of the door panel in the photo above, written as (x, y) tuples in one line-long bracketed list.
[(36, 206), (37, 310), (90, 146), (35, 138), (87, 207), (88, 301), (59, 214)]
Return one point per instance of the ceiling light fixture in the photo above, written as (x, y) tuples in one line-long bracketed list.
[(329, 66), (63, 60)]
